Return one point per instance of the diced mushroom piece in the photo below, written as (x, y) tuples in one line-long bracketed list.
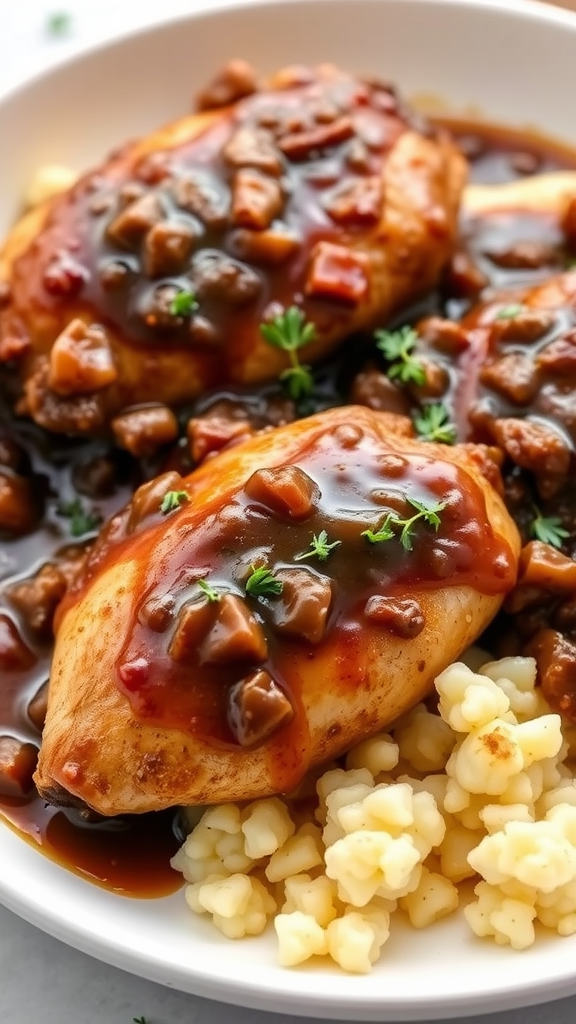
[(444, 335), (15, 656), (303, 607), (524, 328), (436, 380), (202, 197), (167, 246), (338, 273), (514, 375), (143, 431), (537, 448), (17, 766), (372, 388), (218, 278), (257, 708), (147, 500), (270, 247), (208, 434), (357, 202), (81, 360), (463, 278), (19, 510), (38, 597), (129, 226), (299, 144), (542, 566), (236, 80), (256, 199), (235, 636), (194, 621), (401, 616), (158, 612), (286, 490), (556, 661), (38, 706), (254, 147), (560, 355)]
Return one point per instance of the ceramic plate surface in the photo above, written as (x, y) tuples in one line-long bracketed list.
[(514, 62)]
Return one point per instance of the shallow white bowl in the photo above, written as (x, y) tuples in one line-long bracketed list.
[(515, 63)]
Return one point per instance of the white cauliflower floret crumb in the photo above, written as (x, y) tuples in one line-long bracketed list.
[(485, 787), (299, 937)]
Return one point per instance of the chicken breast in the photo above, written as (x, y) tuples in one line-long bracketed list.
[(148, 281), (290, 597)]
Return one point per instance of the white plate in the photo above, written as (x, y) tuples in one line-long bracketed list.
[(516, 63)]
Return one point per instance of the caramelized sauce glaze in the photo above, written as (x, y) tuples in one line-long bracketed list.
[(131, 855)]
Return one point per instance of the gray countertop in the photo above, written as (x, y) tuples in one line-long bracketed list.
[(41, 979)]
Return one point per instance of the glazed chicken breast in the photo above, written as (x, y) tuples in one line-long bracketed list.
[(148, 280), (293, 595)]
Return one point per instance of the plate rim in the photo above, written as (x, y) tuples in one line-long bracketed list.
[(356, 1005)]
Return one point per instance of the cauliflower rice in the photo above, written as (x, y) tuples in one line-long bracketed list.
[(482, 789)]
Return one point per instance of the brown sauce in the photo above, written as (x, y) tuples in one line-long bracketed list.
[(131, 855)]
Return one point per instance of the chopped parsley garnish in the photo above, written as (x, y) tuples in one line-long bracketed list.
[(173, 500), (58, 23), (183, 304), (433, 423), (139, 1020), (289, 332), (262, 582), (548, 529), (320, 547), (509, 312), (429, 514), (208, 591), (82, 520), (398, 348)]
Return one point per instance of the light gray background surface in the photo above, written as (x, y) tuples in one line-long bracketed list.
[(43, 981)]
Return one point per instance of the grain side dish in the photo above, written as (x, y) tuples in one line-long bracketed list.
[(287, 426)]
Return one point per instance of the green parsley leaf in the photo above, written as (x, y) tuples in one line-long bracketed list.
[(289, 332), (397, 347), (433, 423), (173, 500), (427, 513), (263, 582), (208, 591), (139, 1020), (320, 547), (183, 304), (58, 23), (548, 529), (509, 312), (82, 520)]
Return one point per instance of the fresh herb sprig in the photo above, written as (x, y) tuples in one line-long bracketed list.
[(548, 529), (289, 331), (433, 423), (173, 500), (320, 547), (509, 312), (398, 348), (82, 520), (139, 1020), (58, 23), (183, 304), (263, 583), (209, 592), (429, 514)]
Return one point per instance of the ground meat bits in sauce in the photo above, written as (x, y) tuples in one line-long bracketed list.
[(49, 490)]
